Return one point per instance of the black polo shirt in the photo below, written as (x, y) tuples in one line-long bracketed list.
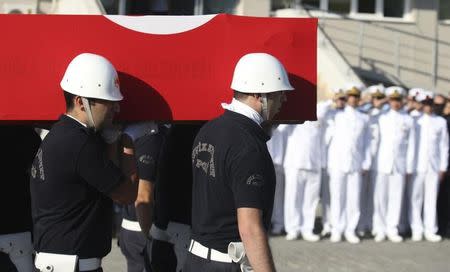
[(19, 145), (173, 197), (147, 149), (232, 168), (71, 179)]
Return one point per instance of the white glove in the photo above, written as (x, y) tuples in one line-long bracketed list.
[(138, 130), (111, 134)]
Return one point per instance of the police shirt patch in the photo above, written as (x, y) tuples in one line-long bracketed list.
[(33, 171), (38, 167), (207, 166), (255, 180), (146, 159)]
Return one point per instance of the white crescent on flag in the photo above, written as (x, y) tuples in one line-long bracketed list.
[(160, 25)]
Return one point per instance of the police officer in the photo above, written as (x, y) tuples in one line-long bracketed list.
[(277, 149), (439, 104), (411, 103), (20, 144), (233, 173), (326, 112), (431, 157), (443, 207), (416, 109), (415, 113), (395, 162), (73, 178), (148, 138), (348, 159), (171, 229), (303, 164), (368, 213)]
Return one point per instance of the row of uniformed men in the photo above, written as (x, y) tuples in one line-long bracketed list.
[(361, 165)]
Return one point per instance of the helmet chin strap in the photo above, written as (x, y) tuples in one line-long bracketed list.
[(265, 110), (87, 106)]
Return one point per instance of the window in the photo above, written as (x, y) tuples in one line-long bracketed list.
[(370, 8), (394, 8), (444, 10), (311, 3), (185, 7), (282, 4), (339, 6), (213, 7), (111, 6), (366, 6)]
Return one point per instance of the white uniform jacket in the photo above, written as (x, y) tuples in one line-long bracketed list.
[(323, 108), (327, 127), (374, 115), (397, 143), (432, 143), (415, 114), (349, 134), (277, 144), (304, 146)]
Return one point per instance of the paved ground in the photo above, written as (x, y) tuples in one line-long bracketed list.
[(342, 257)]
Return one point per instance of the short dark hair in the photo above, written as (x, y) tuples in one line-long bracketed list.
[(428, 102), (239, 95), (396, 98), (68, 97), (355, 95)]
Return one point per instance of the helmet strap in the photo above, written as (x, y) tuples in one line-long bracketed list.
[(265, 110), (87, 106)]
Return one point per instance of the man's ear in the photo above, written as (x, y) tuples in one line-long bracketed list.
[(78, 102)]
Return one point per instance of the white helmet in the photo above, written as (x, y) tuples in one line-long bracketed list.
[(92, 76), (260, 73)]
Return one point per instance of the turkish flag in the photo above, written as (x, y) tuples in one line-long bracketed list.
[(171, 68)]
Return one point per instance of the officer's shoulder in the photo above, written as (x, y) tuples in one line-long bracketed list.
[(408, 117), (441, 121), (229, 132), (383, 116), (409, 120), (210, 125), (220, 123), (77, 136), (363, 115)]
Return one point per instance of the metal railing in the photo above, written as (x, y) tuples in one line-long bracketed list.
[(384, 51)]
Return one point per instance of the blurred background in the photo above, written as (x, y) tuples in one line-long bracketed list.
[(391, 42)]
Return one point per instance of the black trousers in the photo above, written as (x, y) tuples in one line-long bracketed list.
[(163, 257), (133, 246), (96, 270), (196, 264), (443, 207), (5, 263)]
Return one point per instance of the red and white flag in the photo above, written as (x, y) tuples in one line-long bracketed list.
[(171, 68)]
